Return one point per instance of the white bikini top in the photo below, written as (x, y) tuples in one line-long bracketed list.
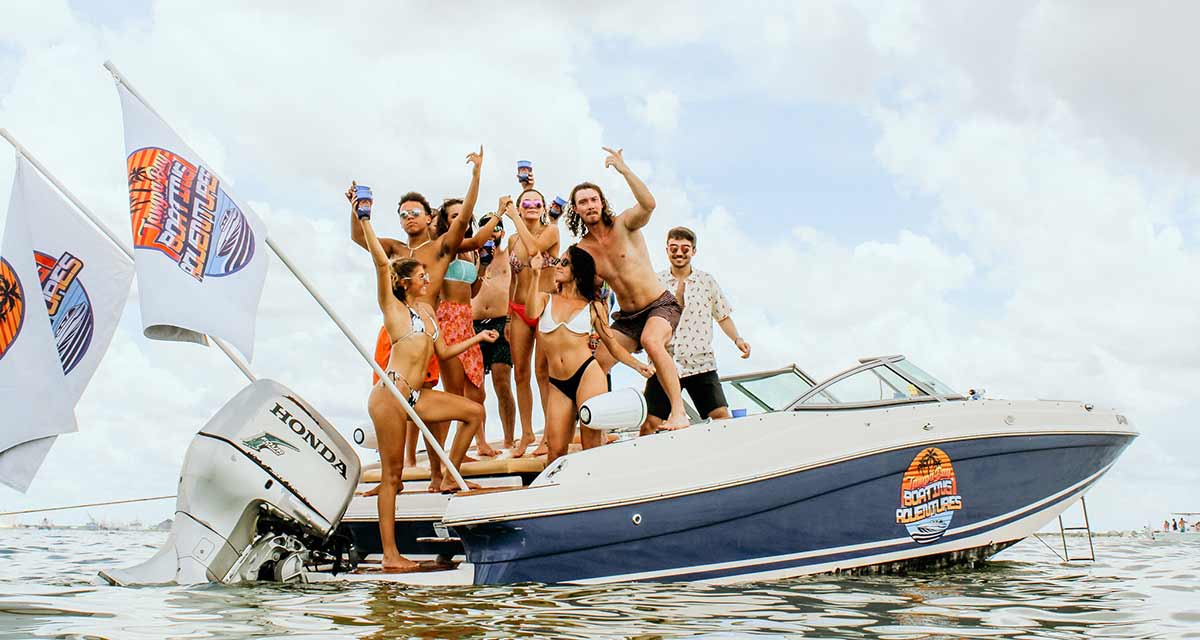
[(580, 323)]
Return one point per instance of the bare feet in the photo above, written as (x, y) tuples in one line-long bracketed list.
[(373, 491), (399, 564), (485, 450), (522, 445), (675, 422), (435, 484), (542, 449), (450, 486)]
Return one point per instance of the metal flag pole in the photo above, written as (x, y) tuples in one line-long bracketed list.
[(99, 224), (431, 442)]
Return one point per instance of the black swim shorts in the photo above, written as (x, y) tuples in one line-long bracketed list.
[(703, 388)]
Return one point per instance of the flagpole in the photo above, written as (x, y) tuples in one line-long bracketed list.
[(99, 224), (431, 442)]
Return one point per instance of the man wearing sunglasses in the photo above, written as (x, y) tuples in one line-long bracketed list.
[(649, 311), (417, 219), (703, 301)]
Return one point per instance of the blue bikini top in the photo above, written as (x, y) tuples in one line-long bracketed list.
[(462, 271)]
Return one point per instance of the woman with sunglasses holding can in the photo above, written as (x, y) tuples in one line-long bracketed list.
[(413, 332), (536, 235)]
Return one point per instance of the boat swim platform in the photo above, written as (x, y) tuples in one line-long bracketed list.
[(527, 466)]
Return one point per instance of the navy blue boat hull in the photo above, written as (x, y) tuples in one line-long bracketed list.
[(837, 514)]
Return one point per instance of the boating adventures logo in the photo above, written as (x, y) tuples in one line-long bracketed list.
[(68, 304), (928, 496), (12, 307), (180, 210)]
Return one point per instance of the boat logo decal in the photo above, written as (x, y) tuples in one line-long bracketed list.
[(181, 210), (68, 304), (928, 496), (12, 307), (267, 441)]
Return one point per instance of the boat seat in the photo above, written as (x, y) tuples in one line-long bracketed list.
[(505, 467)]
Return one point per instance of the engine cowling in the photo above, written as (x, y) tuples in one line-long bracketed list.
[(265, 479)]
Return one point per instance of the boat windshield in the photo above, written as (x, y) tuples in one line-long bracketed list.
[(869, 385), (875, 381), (767, 390)]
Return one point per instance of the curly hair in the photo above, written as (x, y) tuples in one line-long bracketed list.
[(575, 221), (413, 196), (402, 268)]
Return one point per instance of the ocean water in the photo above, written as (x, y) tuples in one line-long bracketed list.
[(1138, 588)]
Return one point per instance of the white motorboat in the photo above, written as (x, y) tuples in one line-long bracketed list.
[(879, 467)]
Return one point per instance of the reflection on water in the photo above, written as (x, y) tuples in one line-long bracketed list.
[(1137, 588)]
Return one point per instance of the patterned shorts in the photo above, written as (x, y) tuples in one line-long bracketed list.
[(455, 320)]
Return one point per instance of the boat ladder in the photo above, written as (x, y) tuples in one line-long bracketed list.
[(1066, 556)]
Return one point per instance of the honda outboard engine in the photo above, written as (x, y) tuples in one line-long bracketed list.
[(263, 487)]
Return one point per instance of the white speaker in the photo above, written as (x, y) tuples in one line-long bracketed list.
[(620, 410), (365, 437)]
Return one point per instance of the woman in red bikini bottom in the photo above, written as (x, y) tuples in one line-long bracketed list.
[(566, 319), (536, 235)]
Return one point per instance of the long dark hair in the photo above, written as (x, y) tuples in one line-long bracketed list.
[(443, 218), (575, 221), (402, 268), (583, 269)]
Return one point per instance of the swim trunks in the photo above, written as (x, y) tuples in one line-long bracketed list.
[(455, 320), (498, 351), (631, 323)]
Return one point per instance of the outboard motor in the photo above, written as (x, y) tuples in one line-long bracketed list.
[(263, 487), (620, 410)]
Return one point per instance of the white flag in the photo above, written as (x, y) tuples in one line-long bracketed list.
[(31, 378), (84, 281), (200, 255)]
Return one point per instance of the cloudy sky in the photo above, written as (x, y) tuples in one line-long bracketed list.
[(1004, 192)]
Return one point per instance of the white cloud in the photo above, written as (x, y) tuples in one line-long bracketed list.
[(658, 110)]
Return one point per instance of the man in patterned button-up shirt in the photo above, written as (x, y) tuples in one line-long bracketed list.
[(702, 302)]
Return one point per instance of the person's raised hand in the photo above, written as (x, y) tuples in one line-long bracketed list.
[(615, 160), (350, 191), (537, 262), (507, 208), (476, 159)]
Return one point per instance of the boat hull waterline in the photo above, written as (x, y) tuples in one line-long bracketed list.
[(896, 506)]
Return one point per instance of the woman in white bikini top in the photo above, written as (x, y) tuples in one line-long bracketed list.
[(415, 337), (565, 322)]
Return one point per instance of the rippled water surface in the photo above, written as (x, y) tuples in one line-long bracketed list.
[(1137, 588)]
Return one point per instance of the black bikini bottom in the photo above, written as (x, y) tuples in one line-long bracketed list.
[(570, 386)]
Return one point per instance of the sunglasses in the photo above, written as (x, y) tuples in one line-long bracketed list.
[(424, 276), (410, 213), (679, 249), (558, 262), (531, 204)]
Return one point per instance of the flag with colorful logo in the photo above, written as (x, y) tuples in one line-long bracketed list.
[(198, 252), (31, 378), (84, 281)]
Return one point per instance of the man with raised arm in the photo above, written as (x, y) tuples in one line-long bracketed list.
[(416, 218), (649, 312)]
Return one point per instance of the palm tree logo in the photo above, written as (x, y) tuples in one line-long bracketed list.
[(929, 462), (12, 306)]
